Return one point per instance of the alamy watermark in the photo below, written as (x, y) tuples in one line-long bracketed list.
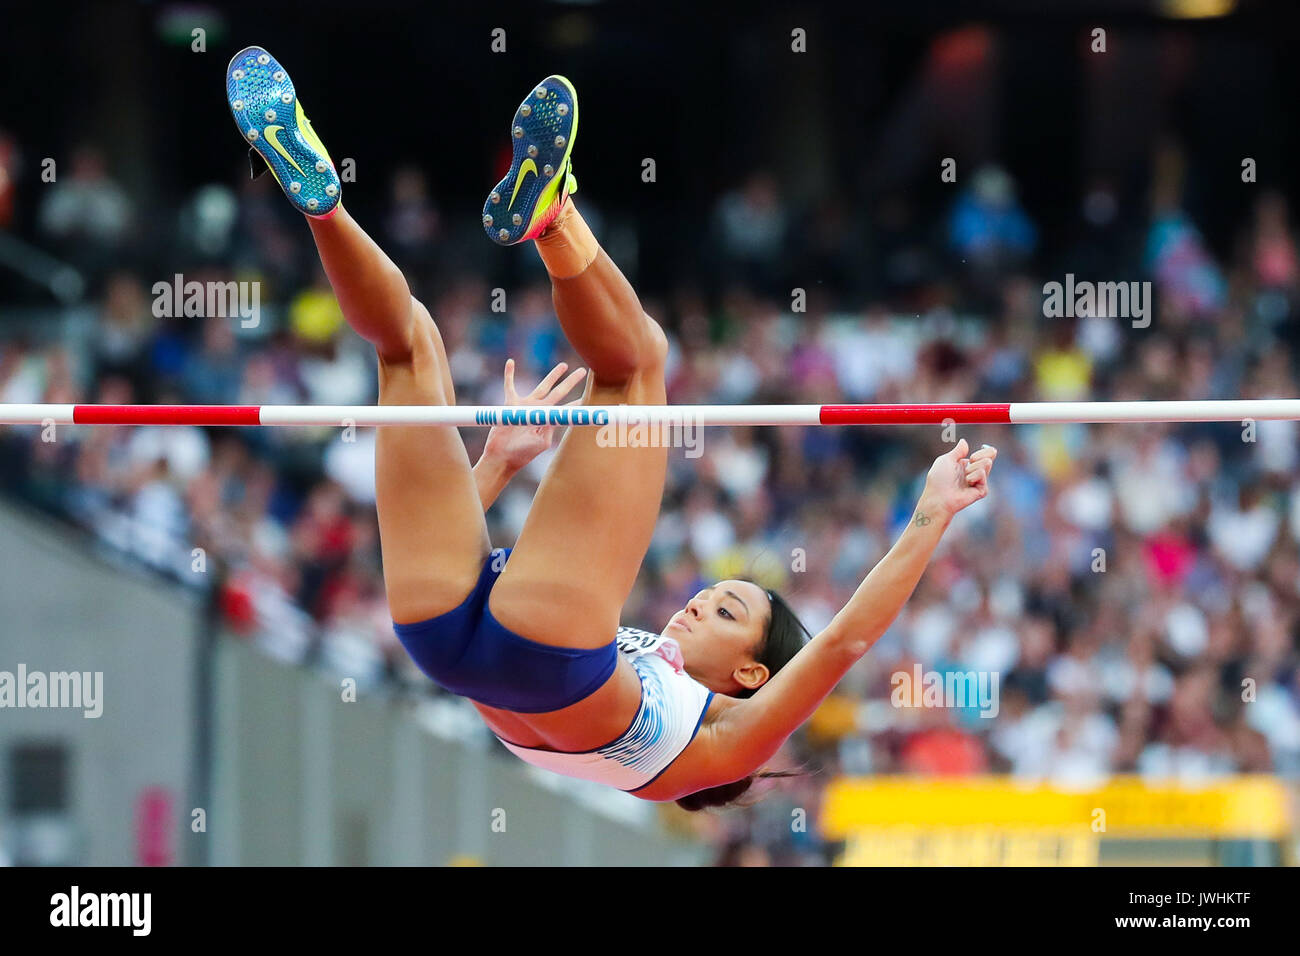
[(81, 690), (1120, 300), (633, 429), (127, 910), (194, 299), (634, 432), (917, 688)]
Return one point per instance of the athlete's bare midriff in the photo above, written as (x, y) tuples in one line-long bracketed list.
[(598, 719), (590, 723)]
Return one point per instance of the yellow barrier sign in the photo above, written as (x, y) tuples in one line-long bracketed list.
[(1241, 807), (970, 846)]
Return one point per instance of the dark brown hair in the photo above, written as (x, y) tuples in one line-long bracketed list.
[(783, 636)]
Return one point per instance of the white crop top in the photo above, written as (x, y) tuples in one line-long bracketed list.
[(672, 708)]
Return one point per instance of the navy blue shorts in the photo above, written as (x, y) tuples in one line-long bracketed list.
[(469, 653)]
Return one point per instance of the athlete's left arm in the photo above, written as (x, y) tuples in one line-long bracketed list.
[(750, 732), (509, 448)]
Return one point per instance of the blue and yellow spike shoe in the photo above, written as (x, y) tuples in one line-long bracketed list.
[(541, 174), (270, 117)]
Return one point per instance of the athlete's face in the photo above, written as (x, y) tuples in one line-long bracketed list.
[(719, 631)]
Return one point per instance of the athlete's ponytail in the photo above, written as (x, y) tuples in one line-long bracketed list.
[(783, 636), (729, 794)]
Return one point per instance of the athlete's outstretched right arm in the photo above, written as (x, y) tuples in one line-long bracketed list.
[(751, 731)]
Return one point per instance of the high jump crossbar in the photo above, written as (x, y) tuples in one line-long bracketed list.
[(991, 413)]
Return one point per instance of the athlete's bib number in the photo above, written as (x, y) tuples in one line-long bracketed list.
[(633, 641)]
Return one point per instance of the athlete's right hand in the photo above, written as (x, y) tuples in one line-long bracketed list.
[(515, 446)]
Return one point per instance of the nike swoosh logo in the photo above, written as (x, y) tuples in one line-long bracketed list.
[(271, 137), (528, 167)]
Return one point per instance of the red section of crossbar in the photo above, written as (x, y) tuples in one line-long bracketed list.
[(166, 415), (984, 414)]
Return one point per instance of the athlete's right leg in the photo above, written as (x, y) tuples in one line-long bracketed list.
[(580, 550), (433, 535), (581, 547)]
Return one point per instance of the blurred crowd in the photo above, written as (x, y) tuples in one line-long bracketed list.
[(1135, 588)]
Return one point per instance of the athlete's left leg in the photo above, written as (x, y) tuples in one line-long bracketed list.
[(433, 536)]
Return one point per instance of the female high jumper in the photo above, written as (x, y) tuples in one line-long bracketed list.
[(531, 634)]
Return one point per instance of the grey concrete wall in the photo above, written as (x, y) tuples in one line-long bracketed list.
[(65, 609), (299, 777), (305, 777)]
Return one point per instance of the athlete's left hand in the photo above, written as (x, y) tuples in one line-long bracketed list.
[(515, 446), (958, 479)]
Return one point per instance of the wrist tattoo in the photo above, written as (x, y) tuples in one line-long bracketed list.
[(922, 519)]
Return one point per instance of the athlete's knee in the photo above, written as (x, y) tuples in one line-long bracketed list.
[(422, 352), (422, 320), (656, 348), (633, 360), (415, 324), (395, 344)]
